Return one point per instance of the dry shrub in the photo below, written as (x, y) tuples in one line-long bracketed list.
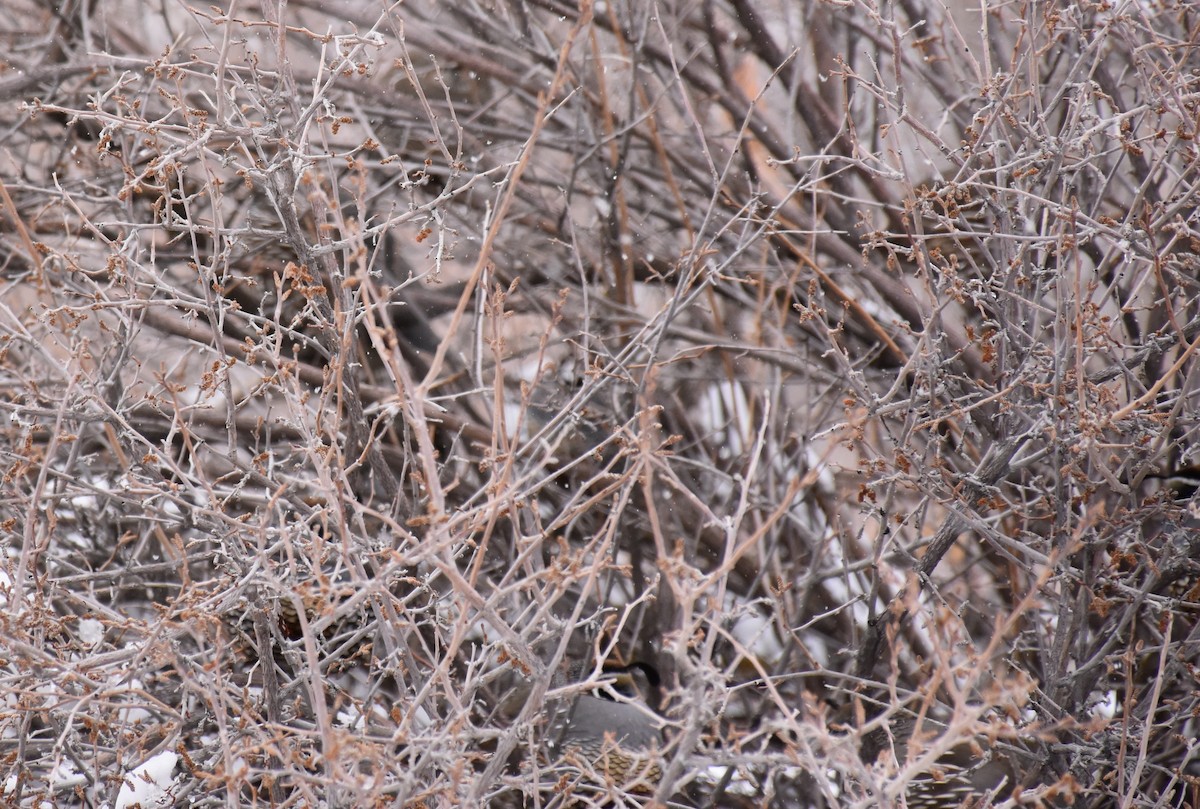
[(361, 359)]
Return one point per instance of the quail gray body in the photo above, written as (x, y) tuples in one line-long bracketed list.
[(615, 739), (968, 775)]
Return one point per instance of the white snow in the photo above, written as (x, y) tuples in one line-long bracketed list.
[(150, 785)]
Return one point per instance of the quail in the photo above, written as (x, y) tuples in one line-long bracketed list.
[(966, 776), (613, 734)]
